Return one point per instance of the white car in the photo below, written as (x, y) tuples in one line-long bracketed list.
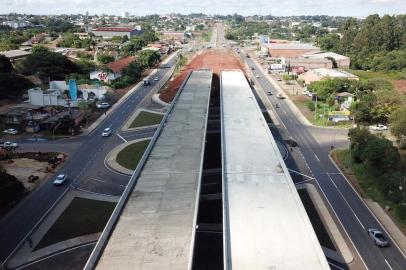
[(106, 132), (10, 145), (103, 105), (60, 179), (156, 79), (379, 127), (280, 96), (11, 131), (378, 238), (256, 76)]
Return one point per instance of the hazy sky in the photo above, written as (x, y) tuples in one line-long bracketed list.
[(244, 7)]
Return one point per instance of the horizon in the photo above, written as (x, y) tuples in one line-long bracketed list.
[(344, 8)]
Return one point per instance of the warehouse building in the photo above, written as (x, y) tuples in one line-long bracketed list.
[(109, 32), (290, 49)]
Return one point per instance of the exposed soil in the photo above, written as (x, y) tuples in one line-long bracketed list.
[(400, 85), (215, 60), (24, 167)]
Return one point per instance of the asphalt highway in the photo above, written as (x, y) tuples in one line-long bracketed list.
[(85, 168), (349, 208)]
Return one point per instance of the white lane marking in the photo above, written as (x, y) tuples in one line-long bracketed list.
[(121, 137), (103, 181), (345, 200), (316, 157), (293, 171), (390, 267), (366, 206)]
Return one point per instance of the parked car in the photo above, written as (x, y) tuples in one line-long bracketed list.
[(106, 132), (60, 179), (9, 145), (279, 79), (269, 92), (379, 127), (103, 105), (378, 238), (11, 131)]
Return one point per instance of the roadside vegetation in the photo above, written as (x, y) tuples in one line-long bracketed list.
[(146, 119), (81, 217), (379, 169), (132, 154)]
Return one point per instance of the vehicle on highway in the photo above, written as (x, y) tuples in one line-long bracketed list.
[(252, 68), (378, 238), (106, 132), (269, 92), (11, 131), (291, 142), (279, 79), (280, 96), (146, 81), (256, 76), (379, 127), (9, 145), (60, 179), (156, 79), (103, 105), (277, 105)]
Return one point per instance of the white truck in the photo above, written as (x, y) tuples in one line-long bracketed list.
[(146, 81)]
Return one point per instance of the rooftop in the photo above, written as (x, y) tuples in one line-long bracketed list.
[(335, 73), (267, 226), (291, 46), (156, 227), (114, 29), (336, 56), (119, 65), (15, 53)]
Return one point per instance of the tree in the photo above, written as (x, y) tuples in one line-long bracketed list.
[(45, 63), (398, 125), (380, 153), (12, 86), (148, 58), (5, 64), (10, 189), (85, 109), (359, 138), (105, 58)]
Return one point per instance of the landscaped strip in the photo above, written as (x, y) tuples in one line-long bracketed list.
[(146, 119), (131, 155), (81, 217)]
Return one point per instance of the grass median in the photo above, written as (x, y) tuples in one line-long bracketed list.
[(146, 119), (131, 155), (81, 217)]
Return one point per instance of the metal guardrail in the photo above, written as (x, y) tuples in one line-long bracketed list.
[(101, 243)]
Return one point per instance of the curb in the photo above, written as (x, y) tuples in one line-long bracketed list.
[(370, 210)]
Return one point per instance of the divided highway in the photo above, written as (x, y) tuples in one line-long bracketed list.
[(350, 210), (84, 164)]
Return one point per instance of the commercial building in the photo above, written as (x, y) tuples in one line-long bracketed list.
[(109, 32), (289, 49), (321, 73), (299, 65), (341, 60), (15, 55)]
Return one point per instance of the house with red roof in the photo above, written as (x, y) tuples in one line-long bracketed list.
[(114, 70)]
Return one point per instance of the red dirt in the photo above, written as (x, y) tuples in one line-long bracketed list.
[(215, 60)]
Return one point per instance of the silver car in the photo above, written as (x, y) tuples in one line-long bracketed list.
[(378, 238)]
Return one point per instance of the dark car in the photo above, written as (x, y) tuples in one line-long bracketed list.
[(291, 143)]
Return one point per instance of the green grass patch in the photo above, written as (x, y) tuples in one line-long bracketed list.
[(367, 75), (314, 217), (131, 155), (366, 183), (146, 119), (81, 217), (206, 35)]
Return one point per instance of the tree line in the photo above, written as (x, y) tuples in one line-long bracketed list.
[(377, 43)]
